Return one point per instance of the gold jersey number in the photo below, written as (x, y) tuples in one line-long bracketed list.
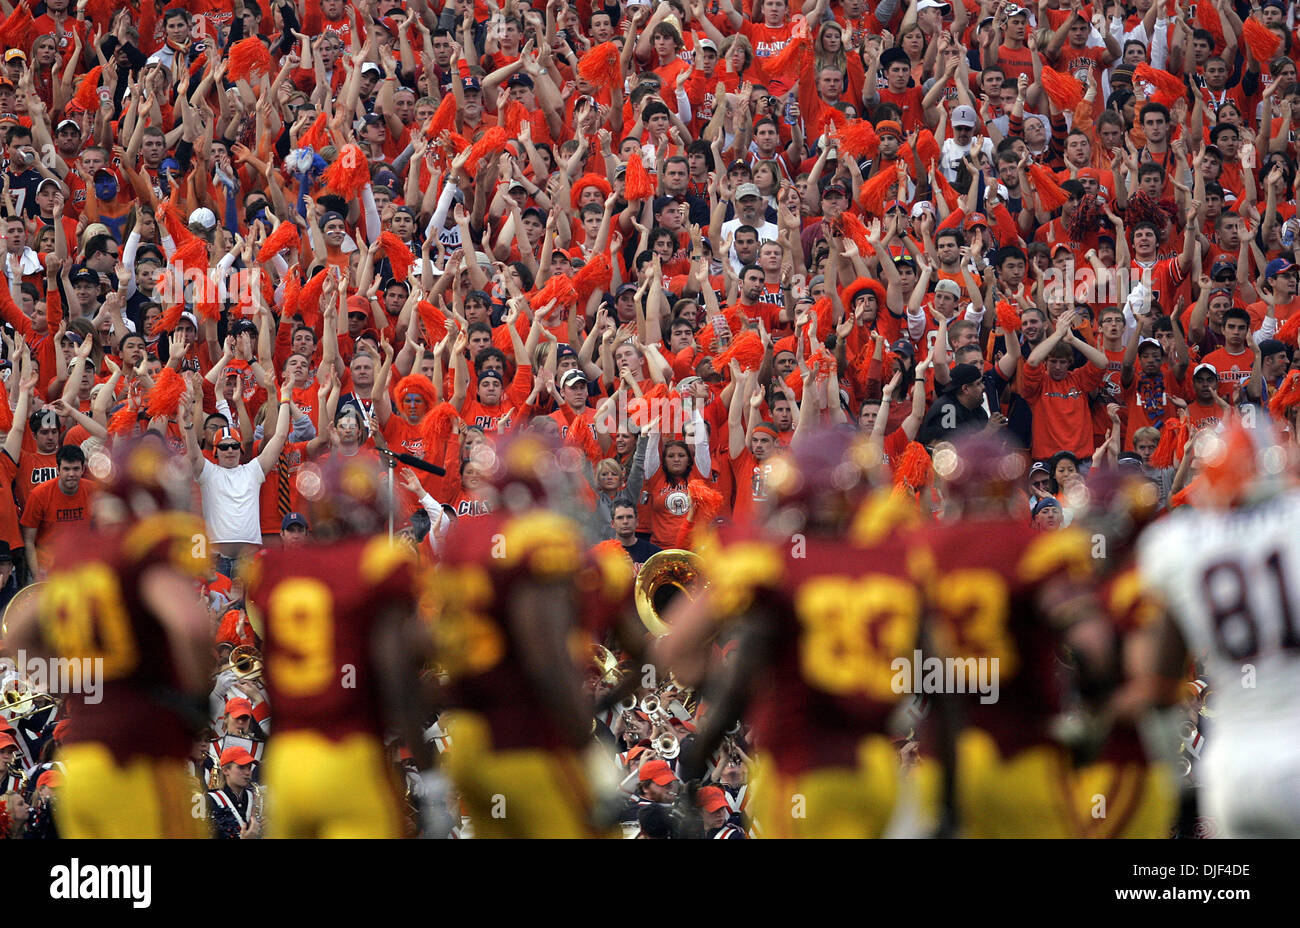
[(975, 606), (300, 618), (468, 642), (83, 617), (853, 630)]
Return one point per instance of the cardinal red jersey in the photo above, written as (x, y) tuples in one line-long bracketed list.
[(982, 581), (485, 559), (1129, 610), (839, 614), (319, 609), (92, 608)]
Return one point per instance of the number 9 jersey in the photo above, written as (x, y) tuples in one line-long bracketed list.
[(1228, 581)]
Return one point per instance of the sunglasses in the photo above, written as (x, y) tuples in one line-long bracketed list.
[(227, 447)]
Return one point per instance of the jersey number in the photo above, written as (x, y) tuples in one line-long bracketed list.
[(975, 606), (300, 616), (1236, 628), (84, 617), (853, 630), (468, 642)]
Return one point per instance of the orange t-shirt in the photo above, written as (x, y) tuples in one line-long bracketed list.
[(50, 511), (751, 483)]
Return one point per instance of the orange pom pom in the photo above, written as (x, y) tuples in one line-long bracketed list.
[(492, 143), (247, 59), (1170, 449), (165, 213), (851, 227), (786, 64), (611, 548), (857, 138), (596, 274), (1064, 90), (16, 32), (875, 193), (913, 470), (191, 257), (317, 135), (309, 299), (123, 421), (87, 95), (292, 290), (600, 67), (1290, 330), (434, 323), (746, 349), (398, 254), (705, 503), (444, 117), (436, 427), (947, 191), (1165, 84), (638, 185), (165, 397), (927, 149), (1008, 318), (169, 319), (516, 115), (1261, 41), (283, 238), (1287, 396), (1050, 194), (1184, 496), (349, 174), (558, 288)]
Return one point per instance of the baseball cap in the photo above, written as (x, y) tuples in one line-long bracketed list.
[(571, 377), (921, 207), (1150, 341), (14, 54), (747, 190), (1223, 264), (934, 5), (67, 122), (51, 778), (227, 433), (657, 771), (976, 219), (949, 287), (1206, 367), (47, 180), (711, 798), (903, 346), (1046, 502), (371, 66), (625, 288), (471, 83), (739, 165), (835, 189), (963, 374), (1014, 10), (519, 80), (1270, 346), (1278, 266), (236, 755), (238, 707), (84, 274), (964, 116), (705, 43), (7, 740), (489, 374), (204, 218), (293, 518)]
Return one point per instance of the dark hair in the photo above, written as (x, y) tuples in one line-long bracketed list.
[(70, 454), (488, 353), (690, 460), (1158, 108), (526, 278), (1057, 458), (1236, 312)]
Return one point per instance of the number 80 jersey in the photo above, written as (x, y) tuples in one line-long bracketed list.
[(1230, 580)]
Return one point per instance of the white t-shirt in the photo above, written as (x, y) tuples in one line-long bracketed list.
[(231, 505)]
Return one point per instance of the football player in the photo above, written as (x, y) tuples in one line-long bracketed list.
[(342, 650), (819, 621), (1224, 571), (1001, 599), (125, 594)]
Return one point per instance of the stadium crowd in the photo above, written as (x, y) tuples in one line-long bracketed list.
[(675, 238)]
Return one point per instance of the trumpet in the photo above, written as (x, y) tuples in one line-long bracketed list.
[(246, 663), (652, 706), (667, 746), (627, 703)]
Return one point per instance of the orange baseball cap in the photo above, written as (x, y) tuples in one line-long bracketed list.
[(658, 771), (50, 778), (7, 740), (237, 755), (711, 799), (238, 707)]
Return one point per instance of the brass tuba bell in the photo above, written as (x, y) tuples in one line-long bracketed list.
[(21, 699), (605, 663), (674, 569)]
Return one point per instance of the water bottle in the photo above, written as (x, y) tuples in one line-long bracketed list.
[(788, 112), (1288, 234)]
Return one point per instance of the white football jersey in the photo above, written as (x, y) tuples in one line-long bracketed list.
[(1231, 582)]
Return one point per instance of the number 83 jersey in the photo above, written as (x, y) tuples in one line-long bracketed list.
[(1229, 581), (839, 616)]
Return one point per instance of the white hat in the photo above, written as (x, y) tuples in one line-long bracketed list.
[(1206, 367), (705, 43), (964, 116), (921, 207), (193, 320), (371, 66), (204, 218), (933, 5)]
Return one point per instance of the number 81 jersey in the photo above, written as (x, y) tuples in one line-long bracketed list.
[(318, 607), (1230, 580)]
